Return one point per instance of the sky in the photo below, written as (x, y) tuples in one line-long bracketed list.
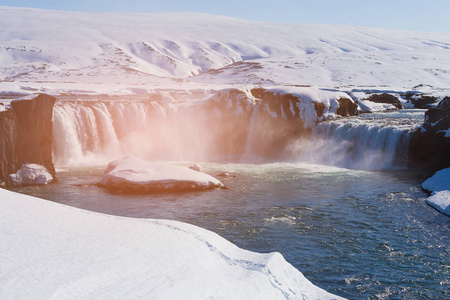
[(415, 15)]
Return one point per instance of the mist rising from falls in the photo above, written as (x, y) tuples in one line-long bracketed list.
[(362, 147), (98, 132), (374, 142), (231, 126)]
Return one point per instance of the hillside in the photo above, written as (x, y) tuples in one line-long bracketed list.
[(124, 52)]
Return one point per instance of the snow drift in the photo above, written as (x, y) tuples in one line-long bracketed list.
[(54, 251)]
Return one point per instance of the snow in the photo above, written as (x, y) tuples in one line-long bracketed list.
[(130, 174), (440, 201), (96, 53), (307, 97), (440, 181), (31, 174), (370, 106), (54, 251), (4, 106), (439, 185)]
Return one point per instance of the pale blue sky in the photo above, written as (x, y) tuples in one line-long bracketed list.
[(417, 15)]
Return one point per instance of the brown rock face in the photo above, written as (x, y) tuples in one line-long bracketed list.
[(421, 100), (386, 98), (429, 148), (8, 160), (347, 107), (26, 135)]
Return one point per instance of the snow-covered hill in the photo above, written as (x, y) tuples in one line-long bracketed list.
[(59, 50)]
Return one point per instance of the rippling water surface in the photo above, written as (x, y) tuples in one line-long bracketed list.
[(358, 234)]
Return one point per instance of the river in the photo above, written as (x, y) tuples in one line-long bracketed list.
[(360, 232)]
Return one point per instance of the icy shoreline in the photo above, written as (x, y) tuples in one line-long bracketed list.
[(439, 186), (52, 250)]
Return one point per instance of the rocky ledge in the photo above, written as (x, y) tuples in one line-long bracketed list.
[(430, 144)]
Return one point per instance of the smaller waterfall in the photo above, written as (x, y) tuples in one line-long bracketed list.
[(250, 142), (83, 134), (370, 142)]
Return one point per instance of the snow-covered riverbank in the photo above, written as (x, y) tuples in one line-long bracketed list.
[(51, 250)]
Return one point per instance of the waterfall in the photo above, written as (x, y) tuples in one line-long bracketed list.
[(83, 134), (87, 132), (250, 142), (357, 143), (98, 132)]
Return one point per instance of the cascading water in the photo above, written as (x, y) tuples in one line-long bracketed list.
[(87, 133), (370, 142), (98, 132)]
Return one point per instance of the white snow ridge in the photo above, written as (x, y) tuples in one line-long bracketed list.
[(52, 251)]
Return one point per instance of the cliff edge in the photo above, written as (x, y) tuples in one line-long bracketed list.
[(26, 135)]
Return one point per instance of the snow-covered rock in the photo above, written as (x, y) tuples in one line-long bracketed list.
[(75, 254), (440, 201), (439, 186), (196, 167), (367, 104), (440, 181), (133, 175), (31, 174)]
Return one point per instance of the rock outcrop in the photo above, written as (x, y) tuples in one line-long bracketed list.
[(347, 107), (386, 98), (430, 144), (8, 159), (284, 117), (26, 135), (421, 100)]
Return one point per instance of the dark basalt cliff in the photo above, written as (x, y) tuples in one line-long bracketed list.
[(430, 147), (386, 98), (26, 135)]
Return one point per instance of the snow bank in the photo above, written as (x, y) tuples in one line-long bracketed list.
[(31, 174), (439, 185), (130, 174), (76, 254), (440, 201)]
